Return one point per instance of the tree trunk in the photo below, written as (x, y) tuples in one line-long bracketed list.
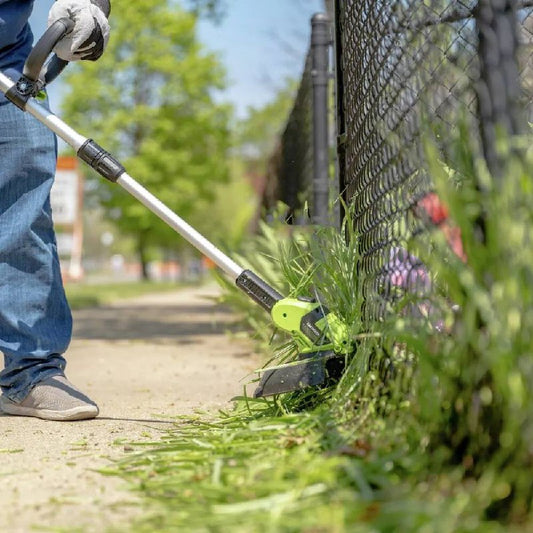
[(143, 260)]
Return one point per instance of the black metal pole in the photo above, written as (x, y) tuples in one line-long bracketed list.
[(320, 43), (340, 120), (498, 88)]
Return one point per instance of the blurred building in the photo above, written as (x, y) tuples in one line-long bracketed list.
[(67, 202)]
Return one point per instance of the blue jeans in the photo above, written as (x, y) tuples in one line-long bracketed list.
[(35, 319)]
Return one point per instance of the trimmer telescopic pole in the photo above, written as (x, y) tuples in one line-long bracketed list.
[(322, 338), (108, 167)]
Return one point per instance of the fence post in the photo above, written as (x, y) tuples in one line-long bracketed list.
[(498, 89), (320, 42), (340, 120)]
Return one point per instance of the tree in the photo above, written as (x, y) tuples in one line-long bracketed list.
[(212, 9), (149, 100), (259, 132)]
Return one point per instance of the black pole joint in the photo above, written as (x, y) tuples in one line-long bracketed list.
[(258, 290), (23, 90), (101, 161)]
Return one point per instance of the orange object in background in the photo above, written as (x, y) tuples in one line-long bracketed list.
[(65, 162), (434, 208), (438, 214), (208, 263)]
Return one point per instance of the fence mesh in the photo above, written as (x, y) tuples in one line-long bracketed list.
[(402, 63), (291, 166)]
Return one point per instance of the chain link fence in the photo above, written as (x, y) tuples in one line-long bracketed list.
[(402, 64), (291, 166)]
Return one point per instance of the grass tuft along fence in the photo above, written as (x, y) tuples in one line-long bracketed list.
[(404, 70)]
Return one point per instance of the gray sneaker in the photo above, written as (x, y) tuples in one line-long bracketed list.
[(54, 398)]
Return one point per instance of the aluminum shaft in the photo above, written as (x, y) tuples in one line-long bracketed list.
[(180, 226)]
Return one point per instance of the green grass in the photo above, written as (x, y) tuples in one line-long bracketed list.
[(259, 469), (443, 445), (93, 295)]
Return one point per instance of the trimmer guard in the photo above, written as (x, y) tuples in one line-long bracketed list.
[(313, 369)]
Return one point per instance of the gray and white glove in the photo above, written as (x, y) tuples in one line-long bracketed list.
[(90, 34)]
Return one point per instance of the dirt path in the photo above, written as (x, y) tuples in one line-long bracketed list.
[(143, 362)]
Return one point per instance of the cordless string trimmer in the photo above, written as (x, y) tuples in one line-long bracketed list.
[(321, 337)]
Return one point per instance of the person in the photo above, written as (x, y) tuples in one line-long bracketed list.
[(35, 318)]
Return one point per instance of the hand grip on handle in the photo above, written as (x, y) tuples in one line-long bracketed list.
[(34, 68)]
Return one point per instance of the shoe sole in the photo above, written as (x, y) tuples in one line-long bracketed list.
[(83, 412)]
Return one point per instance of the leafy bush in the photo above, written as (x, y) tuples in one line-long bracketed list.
[(473, 383)]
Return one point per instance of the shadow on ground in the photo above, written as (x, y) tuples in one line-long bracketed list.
[(152, 323)]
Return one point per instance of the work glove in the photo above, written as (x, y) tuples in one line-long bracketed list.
[(90, 34)]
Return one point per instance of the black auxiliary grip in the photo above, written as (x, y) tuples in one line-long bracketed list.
[(44, 46)]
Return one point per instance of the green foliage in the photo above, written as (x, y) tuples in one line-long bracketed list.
[(472, 384), (258, 133), (226, 218), (149, 101)]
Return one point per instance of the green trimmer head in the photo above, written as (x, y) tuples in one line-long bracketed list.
[(322, 339)]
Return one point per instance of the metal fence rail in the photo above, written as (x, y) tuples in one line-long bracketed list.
[(290, 168), (402, 63)]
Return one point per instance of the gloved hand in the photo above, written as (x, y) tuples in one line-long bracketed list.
[(90, 34)]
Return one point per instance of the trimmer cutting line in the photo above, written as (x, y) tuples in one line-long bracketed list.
[(321, 337)]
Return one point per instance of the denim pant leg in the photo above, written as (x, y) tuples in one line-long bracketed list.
[(35, 319)]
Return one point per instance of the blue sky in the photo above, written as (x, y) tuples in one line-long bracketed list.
[(260, 42)]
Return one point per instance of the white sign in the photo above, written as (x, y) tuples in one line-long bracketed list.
[(65, 244), (64, 197)]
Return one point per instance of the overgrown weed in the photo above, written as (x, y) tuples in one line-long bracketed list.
[(473, 383)]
